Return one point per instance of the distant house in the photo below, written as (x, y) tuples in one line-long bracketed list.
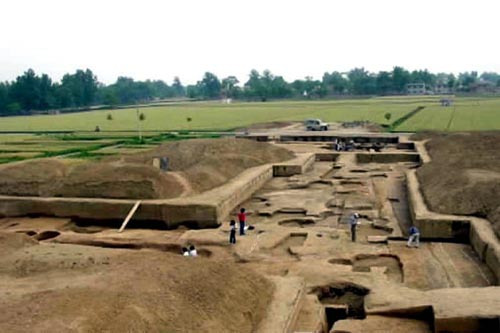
[(442, 89), (416, 89), (483, 87)]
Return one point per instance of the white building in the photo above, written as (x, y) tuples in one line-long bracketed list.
[(416, 89)]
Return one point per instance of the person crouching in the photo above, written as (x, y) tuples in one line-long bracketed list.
[(414, 237)]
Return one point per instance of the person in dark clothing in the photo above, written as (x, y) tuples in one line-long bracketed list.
[(242, 217), (232, 232), (414, 237), (353, 222)]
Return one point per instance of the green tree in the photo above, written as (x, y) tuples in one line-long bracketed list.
[(400, 78), (229, 87), (466, 80), (82, 85), (336, 82), (4, 97), (362, 82), (140, 118), (210, 86), (178, 88), (384, 83), (26, 90), (266, 86), (254, 87)]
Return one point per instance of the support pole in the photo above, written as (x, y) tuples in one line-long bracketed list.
[(129, 216)]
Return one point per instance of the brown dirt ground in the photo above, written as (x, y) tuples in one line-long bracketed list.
[(133, 291), (268, 125), (208, 163), (464, 174), (202, 164)]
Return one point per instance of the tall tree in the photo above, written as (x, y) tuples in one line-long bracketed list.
[(400, 78), (82, 85), (178, 88), (229, 87), (4, 97), (26, 90), (362, 82), (210, 85), (336, 82), (384, 83)]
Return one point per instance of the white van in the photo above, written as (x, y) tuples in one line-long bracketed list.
[(315, 125)]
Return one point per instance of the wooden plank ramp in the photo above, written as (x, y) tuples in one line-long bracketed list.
[(129, 216)]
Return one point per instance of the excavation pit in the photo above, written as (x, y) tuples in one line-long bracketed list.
[(392, 264), (301, 223), (284, 247), (340, 261), (344, 294), (45, 235)]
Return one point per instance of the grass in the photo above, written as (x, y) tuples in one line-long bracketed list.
[(471, 114), (75, 146), (214, 115), (119, 135), (467, 114)]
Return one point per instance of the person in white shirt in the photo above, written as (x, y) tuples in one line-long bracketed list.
[(353, 222), (185, 252), (192, 251)]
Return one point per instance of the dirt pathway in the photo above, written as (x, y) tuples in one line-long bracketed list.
[(186, 185)]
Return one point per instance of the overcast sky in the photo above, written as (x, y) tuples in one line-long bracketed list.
[(148, 39)]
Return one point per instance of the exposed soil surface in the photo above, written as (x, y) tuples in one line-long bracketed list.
[(296, 261), (464, 174), (208, 163), (194, 166), (91, 289), (268, 125)]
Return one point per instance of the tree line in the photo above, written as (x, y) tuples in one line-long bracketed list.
[(32, 92)]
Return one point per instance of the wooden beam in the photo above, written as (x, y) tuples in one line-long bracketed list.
[(129, 216)]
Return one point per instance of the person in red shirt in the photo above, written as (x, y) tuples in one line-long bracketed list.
[(242, 217)]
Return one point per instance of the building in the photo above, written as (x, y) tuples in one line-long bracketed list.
[(442, 89), (483, 87), (416, 89)]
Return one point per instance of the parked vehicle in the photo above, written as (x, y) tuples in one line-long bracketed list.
[(316, 125)]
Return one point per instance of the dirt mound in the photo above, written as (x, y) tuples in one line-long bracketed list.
[(208, 163), (117, 180), (464, 174), (31, 178), (144, 292), (194, 166)]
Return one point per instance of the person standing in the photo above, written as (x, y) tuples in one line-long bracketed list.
[(242, 217), (232, 232), (414, 237), (353, 222)]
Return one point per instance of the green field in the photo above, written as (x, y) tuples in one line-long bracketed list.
[(216, 116), (466, 114), (18, 147)]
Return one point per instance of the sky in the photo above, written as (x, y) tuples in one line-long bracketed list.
[(150, 39)]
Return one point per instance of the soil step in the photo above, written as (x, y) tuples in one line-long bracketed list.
[(284, 309), (311, 317)]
